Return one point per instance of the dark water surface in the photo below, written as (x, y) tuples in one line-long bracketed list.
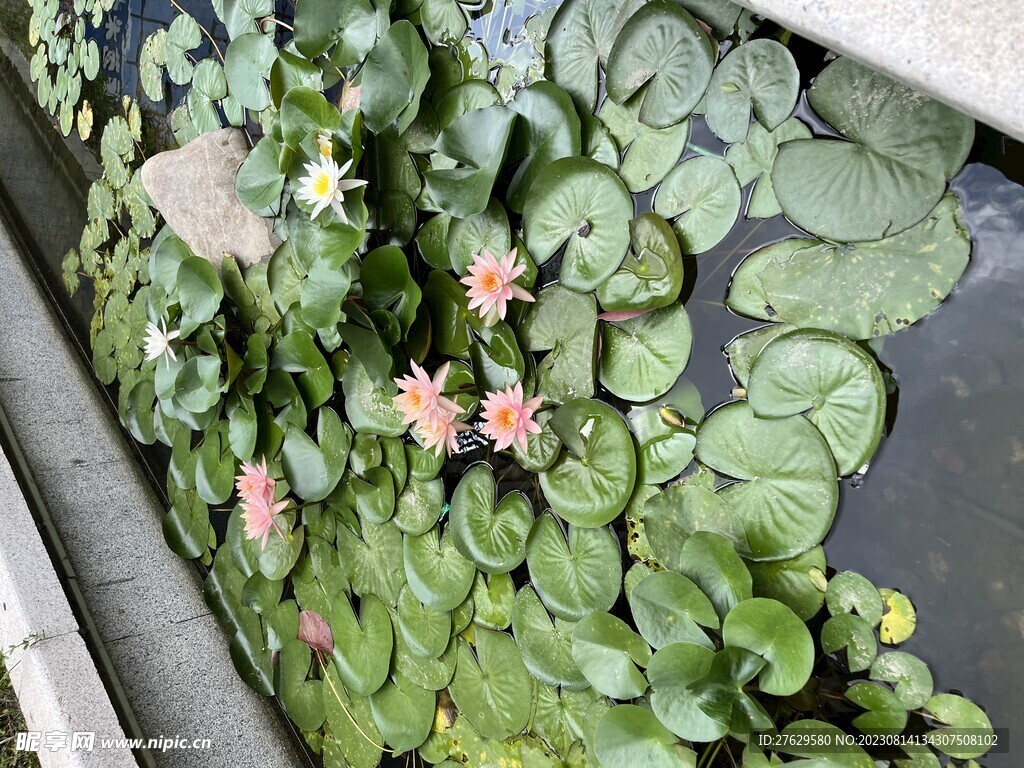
[(938, 514)]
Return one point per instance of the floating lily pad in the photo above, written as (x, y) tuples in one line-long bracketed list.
[(648, 154), (545, 642), (795, 582), (958, 712), (774, 632), (849, 592), (703, 197), (642, 357), (581, 204), (419, 505), (753, 159), (362, 646), (489, 533), (663, 50), (837, 383), (608, 653), (542, 448), (786, 500), (426, 631), (672, 671), (369, 562), (667, 608), (632, 737), (564, 322), (492, 596), (899, 618), (744, 349), (492, 688), (393, 78), (575, 577), (913, 680), (902, 148), (759, 76), (680, 511), (438, 575), (314, 469), (885, 714), (592, 480), (850, 632), (860, 290), (651, 276), (247, 63), (404, 713)]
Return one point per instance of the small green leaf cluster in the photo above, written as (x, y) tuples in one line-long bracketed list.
[(475, 603)]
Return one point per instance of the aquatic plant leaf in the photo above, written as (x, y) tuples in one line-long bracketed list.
[(564, 322), (804, 732), (547, 129), (849, 592), (369, 408), (393, 78), (785, 500), (183, 35), (648, 154), (632, 737), (545, 642), (438, 575), (472, 235), (958, 712), (668, 608), (151, 65), (860, 290), (852, 633), (490, 533), (425, 630), (319, 24), (403, 712), (774, 632), (885, 713), (541, 449), (913, 679), (703, 198), (492, 688), (362, 646), (678, 512), (581, 204), (419, 505), (794, 582), (664, 51), (899, 619), (302, 699), (674, 673), (651, 276), (369, 560), (492, 596), (643, 356), (743, 350), (356, 737), (593, 478), (609, 653), (576, 577), (753, 158), (836, 383), (759, 76), (247, 63), (902, 148)]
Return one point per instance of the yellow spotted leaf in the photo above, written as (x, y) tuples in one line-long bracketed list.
[(899, 619)]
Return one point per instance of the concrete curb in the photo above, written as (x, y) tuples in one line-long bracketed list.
[(54, 678), (969, 55)]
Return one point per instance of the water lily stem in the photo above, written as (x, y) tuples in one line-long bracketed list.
[(279, 23), (334, 690), (709, 756)]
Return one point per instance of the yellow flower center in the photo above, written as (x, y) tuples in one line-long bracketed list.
[(490, 282), (322, 185), (507, 419)]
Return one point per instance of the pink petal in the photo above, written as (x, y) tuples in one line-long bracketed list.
[(315, 632), (521, 293), (615, 317)]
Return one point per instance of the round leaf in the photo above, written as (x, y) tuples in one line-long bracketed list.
[(774, 632), (492, 688), (632, 737), (438, 575), (608, 653), (492, 536), (669, 608), (705, 196), (545, 642), (642, 357)]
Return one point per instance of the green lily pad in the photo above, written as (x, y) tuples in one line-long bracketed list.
[(850, 632), (578, 202), (419, 505), (438, 575), (667, 608), (247, 63), (374, 496), (350, 718), (831, 378), (545, 642), (393, 78), (663, 50), (849, 592), (795, 582), (490, 534), (785, 501), (492, 596), (643, 356), (632, 737), (703, 197), (958, 712), (609, 653), (648, 154), (673, 671), (547, 129), (492, 688), (369, 562), (590, 483), (369, 408), (541, 449), (873, 288), (678, 512), (885, 714), (314, 469), (183, 35), (774, 632), (564, 322), (404, 713), (575, 577), (758, 76), (913, 680), (710, 562), (362, 646), (744, 349), (425, 630), (472, 235), (433, 674), (753, 159), (302, 699), (651, 276), (902, 148)]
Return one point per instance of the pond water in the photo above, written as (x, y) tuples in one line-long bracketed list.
[(937, 515)]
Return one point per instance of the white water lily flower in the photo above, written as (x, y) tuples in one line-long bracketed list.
[(325, 186), (158, 342), (324, 145)]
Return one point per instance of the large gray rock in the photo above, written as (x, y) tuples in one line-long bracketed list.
[(194, 190)]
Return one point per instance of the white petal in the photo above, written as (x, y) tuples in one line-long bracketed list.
[(344, 169), (346, 185)]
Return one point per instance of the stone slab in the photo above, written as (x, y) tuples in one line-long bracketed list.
[(967, 54)]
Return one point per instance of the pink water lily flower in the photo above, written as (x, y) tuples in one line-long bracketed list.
[(259, 513), (315, 632), (255, 482), (421, 399), (440, 434), (491, 287), (507, 417)]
